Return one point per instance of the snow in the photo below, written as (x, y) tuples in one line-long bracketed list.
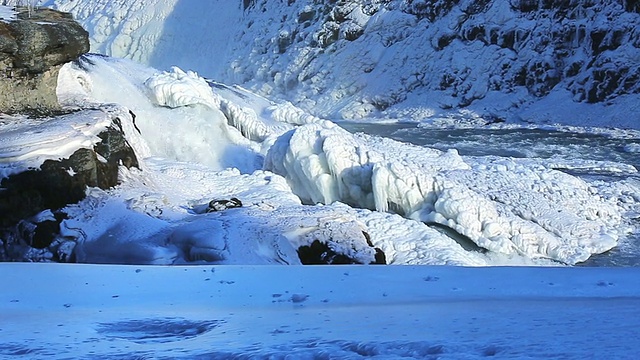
[(351, 312), (7, 13), (214, 141), (302, 178), (27, 143)]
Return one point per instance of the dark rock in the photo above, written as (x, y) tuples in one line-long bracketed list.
[(47, 38), (219, 205), (44, 234), (61, 182), (380, 257), (429, 9), (306, 14), (320, 253)]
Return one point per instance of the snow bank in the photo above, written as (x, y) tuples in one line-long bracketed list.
[(7, 13), (502, 206), (26, 143)]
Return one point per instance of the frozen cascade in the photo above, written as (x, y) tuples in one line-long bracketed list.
[(504, 206)]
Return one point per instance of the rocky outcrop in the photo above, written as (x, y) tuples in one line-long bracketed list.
[(321, 253), (32, 49), (30, 201)]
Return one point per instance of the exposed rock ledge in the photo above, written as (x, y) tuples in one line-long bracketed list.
[(31, 199), (32, 50)]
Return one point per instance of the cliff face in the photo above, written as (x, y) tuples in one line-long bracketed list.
[(394, 58), (33, 47), (361, 58)]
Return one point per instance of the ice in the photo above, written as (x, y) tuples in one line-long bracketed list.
[(180, 134), (351, 312), (503, 206), (178, 88)]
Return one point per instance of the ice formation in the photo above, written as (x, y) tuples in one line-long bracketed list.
[(502, 206), (193, 133)]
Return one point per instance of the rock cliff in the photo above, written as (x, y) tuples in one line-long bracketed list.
[(33, 47), (383, 57)]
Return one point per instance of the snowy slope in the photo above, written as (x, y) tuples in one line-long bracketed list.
[(572, 63)]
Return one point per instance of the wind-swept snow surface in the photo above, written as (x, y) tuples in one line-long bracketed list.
[(201, 141), (357, 312)]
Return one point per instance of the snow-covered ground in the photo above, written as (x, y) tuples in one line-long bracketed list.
[(200, 141), (300, 178), (7, 13), (354, 312)]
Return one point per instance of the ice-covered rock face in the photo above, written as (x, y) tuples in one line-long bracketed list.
[(390, 58), (461, 50)]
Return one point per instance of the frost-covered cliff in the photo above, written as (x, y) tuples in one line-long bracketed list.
[(572, 61)]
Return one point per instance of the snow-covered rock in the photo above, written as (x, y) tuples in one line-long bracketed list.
[(48, 164)]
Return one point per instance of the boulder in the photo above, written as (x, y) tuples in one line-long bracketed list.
[(32, 49)]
